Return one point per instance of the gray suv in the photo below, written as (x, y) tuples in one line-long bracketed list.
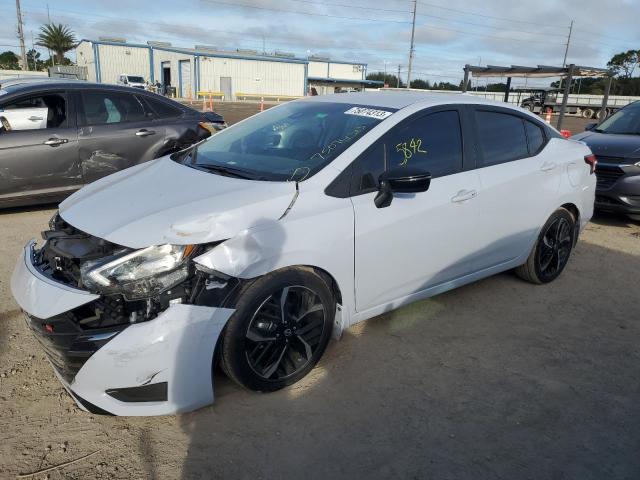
[(56, 137)]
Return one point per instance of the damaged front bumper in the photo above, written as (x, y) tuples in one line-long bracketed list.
[(157, 367)]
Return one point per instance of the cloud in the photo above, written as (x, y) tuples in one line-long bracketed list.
[(448, 34)]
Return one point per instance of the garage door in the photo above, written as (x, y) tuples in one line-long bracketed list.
[(185, 79)]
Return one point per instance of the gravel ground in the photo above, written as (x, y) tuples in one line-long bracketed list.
[(498, 379)]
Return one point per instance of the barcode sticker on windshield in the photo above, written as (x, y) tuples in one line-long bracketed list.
[(368, 112)]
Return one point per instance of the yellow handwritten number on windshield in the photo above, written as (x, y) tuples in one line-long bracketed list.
[(409, 148)]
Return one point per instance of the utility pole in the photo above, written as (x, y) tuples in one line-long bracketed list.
[(413, 31), (398, 80), (23, 51), (53, 61), (566, 50)]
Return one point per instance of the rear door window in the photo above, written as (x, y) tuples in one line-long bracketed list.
[(104, 108), (501, 137)]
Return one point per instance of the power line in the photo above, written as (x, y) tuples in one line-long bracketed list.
[(282, 10), (488, 26), (342, 5), (537, 24), (379, 20), (465, 22)]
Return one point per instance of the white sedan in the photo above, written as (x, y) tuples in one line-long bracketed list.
[(33, 118), (252, 247)]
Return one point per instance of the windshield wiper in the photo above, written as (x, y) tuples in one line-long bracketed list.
[(228, 171)]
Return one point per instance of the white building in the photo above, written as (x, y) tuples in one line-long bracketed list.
[(233, 75), (330, 76)]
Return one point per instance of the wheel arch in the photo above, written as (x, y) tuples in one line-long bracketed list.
[(573, 210)]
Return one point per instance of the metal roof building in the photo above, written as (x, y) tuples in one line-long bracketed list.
[(229, 75)]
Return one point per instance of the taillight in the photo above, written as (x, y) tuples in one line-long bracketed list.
[(592, 161), (565, 133)]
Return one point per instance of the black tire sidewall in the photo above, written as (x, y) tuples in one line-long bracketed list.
[(234, 359), (561, 213)]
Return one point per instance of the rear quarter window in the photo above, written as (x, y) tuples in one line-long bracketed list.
[(163, 109), (535, 137)]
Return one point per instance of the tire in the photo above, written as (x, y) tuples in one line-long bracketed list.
[(550, 254), (265, 350), (635, 218), (588, 113)]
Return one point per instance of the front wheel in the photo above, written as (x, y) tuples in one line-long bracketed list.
[(279, 331), (551, 251)]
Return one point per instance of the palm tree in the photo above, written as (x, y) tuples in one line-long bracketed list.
[(57, 38)]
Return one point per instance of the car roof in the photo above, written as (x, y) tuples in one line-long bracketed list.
[(68, 85), (400, 99)]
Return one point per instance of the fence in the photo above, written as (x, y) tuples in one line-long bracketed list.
[(516, 97)]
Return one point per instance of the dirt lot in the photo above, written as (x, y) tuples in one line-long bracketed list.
[(498, 379)]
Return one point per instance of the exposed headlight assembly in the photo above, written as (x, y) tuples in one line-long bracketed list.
[(139, 274)]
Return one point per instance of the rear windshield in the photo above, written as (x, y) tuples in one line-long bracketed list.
[(625, 121), (290, 142), (136, 79)]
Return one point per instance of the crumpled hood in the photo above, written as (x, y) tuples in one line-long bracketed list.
[(164, 202), (609, 145)]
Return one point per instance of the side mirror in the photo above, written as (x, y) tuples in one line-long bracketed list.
[(400, 180), (590, 126)]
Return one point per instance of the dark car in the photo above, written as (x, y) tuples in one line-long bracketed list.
[(56, 137), (616, 144)]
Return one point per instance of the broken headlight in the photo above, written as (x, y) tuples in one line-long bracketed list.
[(139, 274)]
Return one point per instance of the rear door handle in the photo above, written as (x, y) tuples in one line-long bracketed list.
[(464, 195), (548, 166), (33, 118), (54, 142), (144, 133)]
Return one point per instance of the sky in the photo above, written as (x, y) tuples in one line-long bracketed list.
[(448, 34)]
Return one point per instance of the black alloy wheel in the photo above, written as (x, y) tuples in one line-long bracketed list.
[(280, 328), (555, 247), (284, 333), (551, 252)]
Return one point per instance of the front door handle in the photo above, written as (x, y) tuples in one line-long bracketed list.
[(54, 142), (144, 133), (464, 195), (33, 118), (548, 166)]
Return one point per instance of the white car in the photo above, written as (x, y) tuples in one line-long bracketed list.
[(135, 81), (30, 118), (252, 247)]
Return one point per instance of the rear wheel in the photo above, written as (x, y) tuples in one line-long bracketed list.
[(279, 331), (635, 218), (588, 113), (551, 252)]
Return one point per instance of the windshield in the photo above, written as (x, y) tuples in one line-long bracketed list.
[(290, 142), (135, 79), (624, 122)]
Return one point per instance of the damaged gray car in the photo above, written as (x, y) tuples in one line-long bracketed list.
[(56, 138)]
